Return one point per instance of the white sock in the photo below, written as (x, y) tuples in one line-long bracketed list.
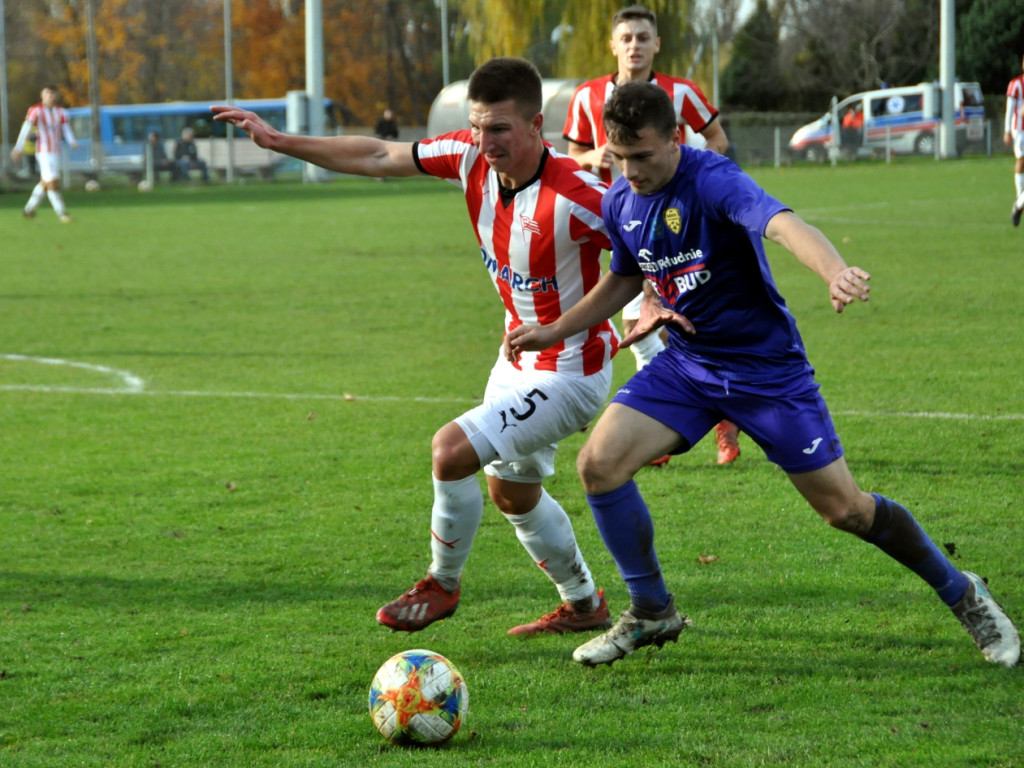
[(546, 533), (57, 201), (1018, 183), (1019, 203), (37, 195), (454, 521), (646, 348)]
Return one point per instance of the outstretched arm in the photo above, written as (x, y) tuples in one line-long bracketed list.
[(816, 252), (359, 155), (609, 296)]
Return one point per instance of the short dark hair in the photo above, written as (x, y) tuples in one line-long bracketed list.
[(505, 78), (631, 12), (634, 106)]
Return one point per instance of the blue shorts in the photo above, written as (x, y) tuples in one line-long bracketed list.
[(790, 422)]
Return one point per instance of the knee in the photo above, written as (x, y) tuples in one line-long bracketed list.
[(597, 471), (452, 455), (852, 515), (514, 498)]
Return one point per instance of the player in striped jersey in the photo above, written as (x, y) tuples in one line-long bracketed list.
[(537, 218), (50, 123), (634, 43), (1014, 137)]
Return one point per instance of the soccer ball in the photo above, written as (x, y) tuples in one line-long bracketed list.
[(144, 186), (92, 186), (418, 698)]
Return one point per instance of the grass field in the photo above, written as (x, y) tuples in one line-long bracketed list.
[(216, 406)]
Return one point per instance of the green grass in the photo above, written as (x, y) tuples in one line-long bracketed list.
[(189, 570)]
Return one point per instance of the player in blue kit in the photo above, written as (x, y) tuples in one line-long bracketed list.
[(687, 226)]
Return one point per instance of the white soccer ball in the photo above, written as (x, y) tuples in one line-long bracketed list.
[(92, 186), (418, 698), (145, 186)]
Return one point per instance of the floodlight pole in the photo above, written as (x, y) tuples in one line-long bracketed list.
[(715, 97), (314, 79), (92, 53), (4, 142), (444, 41), (947, 78), (229, 173)]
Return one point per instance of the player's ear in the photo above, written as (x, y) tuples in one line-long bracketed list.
[(657, 44), (537, 123)]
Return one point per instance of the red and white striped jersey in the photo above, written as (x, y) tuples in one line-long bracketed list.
[(1015, 105), (584, 124), (542, 246), (49, 123)]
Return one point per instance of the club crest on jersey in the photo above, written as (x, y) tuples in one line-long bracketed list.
[(674, 220), (529, 225)]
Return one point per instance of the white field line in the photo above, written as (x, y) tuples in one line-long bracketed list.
[(134, 385)]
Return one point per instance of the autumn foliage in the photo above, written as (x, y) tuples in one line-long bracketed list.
[(377, 53)]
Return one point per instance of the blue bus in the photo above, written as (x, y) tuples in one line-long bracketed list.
[(125, 127)]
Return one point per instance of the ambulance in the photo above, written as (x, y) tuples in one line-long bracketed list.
[(904, 120)]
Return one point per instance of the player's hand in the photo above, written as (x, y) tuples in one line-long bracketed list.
[(653, 315), (848, 286), (604, 158), (527, 338), (250, 122), (15, 154)]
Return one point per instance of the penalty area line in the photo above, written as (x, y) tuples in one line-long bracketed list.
[(346, 397), (941, 415)]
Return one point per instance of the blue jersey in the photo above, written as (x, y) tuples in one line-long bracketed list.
[(699, 241)]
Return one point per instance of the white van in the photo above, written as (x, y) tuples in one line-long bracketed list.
[(904, 119)]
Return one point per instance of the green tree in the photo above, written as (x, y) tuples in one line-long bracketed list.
[(990, 43), (753, 79), (502, 27)]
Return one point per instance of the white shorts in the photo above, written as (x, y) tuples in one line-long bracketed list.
[(525, 413), (632, 310), (49, 165), (1018, 144)]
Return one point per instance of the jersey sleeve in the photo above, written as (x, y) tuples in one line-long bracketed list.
[(26, 129), (579, 121), (442, 156), (729, 194), (623, 261), (691, 105)]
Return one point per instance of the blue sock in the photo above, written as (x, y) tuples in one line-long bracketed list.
[(625, 525), (896, 532)]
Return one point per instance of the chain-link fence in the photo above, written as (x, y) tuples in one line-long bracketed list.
[(760, 138)]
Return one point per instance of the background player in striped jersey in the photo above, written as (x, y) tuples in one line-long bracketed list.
[(537, 218), (634, 43), (1014, 137), (50, 122)]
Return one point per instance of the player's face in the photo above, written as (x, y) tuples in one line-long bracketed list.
[(648, 163), (506, 139), (49, 97), (634, 45)]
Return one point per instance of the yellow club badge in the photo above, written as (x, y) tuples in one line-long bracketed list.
[(674, 220)]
